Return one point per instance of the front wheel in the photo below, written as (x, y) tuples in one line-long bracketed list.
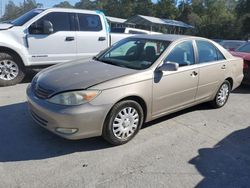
[(222, 95), (11, 69), (123, 122)]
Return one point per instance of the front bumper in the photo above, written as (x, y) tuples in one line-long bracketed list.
[(87, 118)]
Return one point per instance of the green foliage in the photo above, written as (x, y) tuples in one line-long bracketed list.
[(64, 4), (225, 19), (13, 11)]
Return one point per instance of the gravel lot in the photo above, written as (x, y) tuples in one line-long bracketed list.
[(198, 147)]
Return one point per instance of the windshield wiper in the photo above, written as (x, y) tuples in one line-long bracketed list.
[(95, 58), (108, 62)]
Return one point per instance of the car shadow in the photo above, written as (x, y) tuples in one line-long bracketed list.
[(243, 89), (22, 139), (30, 75), (227, 164)]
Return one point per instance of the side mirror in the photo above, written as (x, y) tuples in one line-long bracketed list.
[(169, 66), (47, 27), (44, 27)]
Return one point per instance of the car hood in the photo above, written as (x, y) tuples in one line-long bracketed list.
[(79, 75), (243, 55), (5, 26)]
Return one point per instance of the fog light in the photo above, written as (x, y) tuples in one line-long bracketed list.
[(66, 130)]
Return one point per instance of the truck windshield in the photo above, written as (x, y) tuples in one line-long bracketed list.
[(26, 17), (134, 53)]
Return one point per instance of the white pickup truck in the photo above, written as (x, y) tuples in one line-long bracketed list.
[(44, 37)]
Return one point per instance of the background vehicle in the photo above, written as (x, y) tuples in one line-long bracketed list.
[(129, 30), (244, 53), (137, 80), (43, 37), (232, 44)]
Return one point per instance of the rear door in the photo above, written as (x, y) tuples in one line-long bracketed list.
[(59, 46), (92, 36), (213, 67)]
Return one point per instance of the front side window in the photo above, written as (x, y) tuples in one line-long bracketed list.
[(59, 20), (245, 48), (183, 54), (89, 22), (207, 52), (134, 53)]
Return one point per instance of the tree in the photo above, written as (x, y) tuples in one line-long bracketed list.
[(166, 9), (144, 7), (64, 4), (86, 4), (13, 11)]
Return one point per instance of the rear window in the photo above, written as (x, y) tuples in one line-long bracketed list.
[(89, 22)]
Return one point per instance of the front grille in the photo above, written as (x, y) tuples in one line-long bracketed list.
[(39, 119), (41, 92)]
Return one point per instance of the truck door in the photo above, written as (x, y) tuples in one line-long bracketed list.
[(92, 36), (55, 47)]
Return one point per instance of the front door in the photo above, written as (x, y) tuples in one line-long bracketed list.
[(57, 47), (174, 89)]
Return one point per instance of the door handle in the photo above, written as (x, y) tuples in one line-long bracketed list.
[(101, 38), (194, 74), (223, 67), (69, 38)]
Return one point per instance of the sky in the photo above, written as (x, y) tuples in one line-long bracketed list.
[(47, 3)]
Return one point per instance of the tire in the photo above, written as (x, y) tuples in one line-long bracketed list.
[(222, 95), (127, 125), (12, 70)]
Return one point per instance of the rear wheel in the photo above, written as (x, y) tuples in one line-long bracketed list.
[(123, 122), (222, 95), (11, 69)]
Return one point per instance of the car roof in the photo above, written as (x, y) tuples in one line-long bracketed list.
[(166, 37), (72, 10)]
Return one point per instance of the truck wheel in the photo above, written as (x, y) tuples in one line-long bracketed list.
[(11, 69), (123, 122)]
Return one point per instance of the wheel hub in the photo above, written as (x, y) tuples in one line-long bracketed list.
[(8, 70), (125, 123), (223, 94)]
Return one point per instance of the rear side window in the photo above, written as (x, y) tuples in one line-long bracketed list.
[(207, 52), (183, 54), (89, 22), (60, 21)]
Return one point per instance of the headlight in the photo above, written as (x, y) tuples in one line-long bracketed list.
[(74, 97)]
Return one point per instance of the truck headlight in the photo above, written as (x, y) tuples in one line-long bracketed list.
[(74, 97)]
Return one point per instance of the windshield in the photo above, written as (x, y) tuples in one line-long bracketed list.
[(26, 17), (134, 53), (244, 48)]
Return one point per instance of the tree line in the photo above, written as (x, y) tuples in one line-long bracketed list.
[(218, 19)]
